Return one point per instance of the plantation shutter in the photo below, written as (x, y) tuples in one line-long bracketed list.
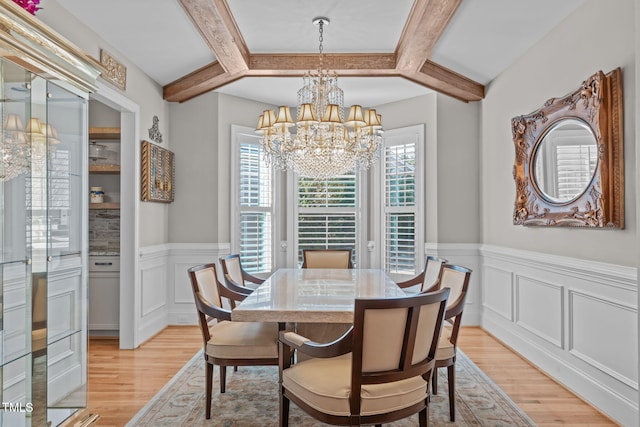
[(400, 207), (327, 213), (256, 203)]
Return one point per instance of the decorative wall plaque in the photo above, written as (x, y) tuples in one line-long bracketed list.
[(157, 172), (116, 73), (569, 163), (154, 131)]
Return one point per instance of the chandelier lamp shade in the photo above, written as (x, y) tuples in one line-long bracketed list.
[(324, 144)]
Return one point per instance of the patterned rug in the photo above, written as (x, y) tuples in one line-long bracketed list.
[(251, 399)]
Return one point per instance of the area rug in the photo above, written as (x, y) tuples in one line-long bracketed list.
[(251, 399)]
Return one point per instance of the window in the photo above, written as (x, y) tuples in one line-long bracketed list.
[(253, 220), (400, 173), (327, 212)]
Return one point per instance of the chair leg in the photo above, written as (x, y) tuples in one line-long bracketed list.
[(423, 417), (434, 381), (208, 388), (223, 378), (451, 376), (284, 411)]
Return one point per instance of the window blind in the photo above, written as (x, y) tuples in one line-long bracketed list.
[(256, 219), (327, 213), (400, 207)]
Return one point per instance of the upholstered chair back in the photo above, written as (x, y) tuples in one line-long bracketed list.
[(326, 258), (432, 272), (208, 286), (456, 279), (234, 269)]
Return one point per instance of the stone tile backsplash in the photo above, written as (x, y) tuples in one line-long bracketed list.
[(104, 231)]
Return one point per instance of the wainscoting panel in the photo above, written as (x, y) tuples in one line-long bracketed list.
[(182, 310), (576, 320), (539, 309), (497, 288), (153, 313), (608, 353)]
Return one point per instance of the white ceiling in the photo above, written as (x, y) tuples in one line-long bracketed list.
[(483, 38)]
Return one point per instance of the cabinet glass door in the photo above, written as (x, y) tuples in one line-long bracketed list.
[(43, 199), (15, 247), (65, 132)]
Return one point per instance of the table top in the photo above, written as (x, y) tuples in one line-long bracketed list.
[(314, 295)]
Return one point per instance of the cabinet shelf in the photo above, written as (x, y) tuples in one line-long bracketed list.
[(104, 133), (104, 205), (104, 168)]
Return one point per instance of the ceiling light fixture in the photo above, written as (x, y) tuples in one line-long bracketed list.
[(323, 144)]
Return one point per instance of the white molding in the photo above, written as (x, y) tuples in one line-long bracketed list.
[(610, 274), (509, 315)]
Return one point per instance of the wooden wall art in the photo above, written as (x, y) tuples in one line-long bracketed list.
[(157, 173), (115, 73), (569, 163)]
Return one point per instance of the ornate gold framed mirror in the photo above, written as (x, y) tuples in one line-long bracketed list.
[(569, 164)]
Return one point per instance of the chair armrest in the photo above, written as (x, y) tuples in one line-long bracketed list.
[(236, 287), (211, 310), (340, 346), (251, 278), (232, 294), (411, 282)]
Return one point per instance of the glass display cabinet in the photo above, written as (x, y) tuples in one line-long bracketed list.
[(44, 85)]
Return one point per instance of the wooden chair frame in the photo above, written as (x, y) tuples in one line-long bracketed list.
[(419, 279), (352, 341), (208, 313), (246, 277), (452, 316)]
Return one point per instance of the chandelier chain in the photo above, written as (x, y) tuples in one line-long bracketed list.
[(321, 40)]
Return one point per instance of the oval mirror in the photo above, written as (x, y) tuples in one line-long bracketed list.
[(565, 160)]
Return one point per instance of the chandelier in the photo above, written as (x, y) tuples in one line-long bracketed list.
[(323, 145)]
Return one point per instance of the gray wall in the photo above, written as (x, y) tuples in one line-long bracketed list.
[(140, 89), (451, 161), (598, 36), (201, 129)]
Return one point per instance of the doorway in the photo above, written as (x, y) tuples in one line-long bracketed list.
[(129, 285)]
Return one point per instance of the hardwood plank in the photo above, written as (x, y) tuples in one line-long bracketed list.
[(426, 23), (547, 402), (121, 382)]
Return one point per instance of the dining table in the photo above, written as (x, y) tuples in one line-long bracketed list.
[(311, 295)]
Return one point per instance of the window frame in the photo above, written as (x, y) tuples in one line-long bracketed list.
[(361, 261), (239, 135), (377, 244)]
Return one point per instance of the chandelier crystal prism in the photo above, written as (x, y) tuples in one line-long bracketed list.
[(323, 145)]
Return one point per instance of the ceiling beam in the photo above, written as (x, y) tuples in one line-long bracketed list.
[(426, 23), (351, 64), (218, 28), (203, 80), (448, 82)]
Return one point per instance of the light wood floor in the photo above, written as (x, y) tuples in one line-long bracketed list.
[(121, 382)]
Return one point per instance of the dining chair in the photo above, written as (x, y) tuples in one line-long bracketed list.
[(327, 258), (456, 279), (378, 372), (227, 343), (429, 277), (237, 277)]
